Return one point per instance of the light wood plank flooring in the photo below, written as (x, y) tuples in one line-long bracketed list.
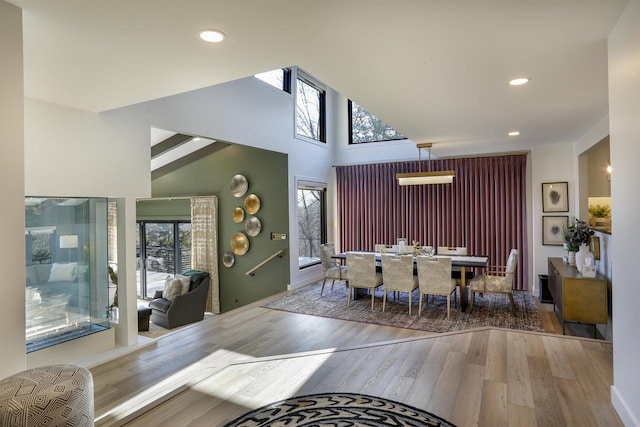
[(216, 370)]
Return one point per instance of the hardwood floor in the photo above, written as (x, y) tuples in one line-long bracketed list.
[(218, 369)]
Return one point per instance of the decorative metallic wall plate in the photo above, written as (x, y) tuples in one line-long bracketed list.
[(228, 259), (239, 243), (238, 215), (252, 204), (253, 226), (239, 185)]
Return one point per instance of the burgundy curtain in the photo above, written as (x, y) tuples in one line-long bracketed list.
[(484, 209)]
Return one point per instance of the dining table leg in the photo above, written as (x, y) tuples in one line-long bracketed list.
[(463, 289)]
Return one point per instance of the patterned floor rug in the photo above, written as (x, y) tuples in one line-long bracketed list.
[(338, 409), (489, 310)]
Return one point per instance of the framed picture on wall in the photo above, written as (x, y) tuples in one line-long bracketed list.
[(555, 197), (552, 230)]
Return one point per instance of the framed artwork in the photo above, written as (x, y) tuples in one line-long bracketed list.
[(555, 197), (552, 227)]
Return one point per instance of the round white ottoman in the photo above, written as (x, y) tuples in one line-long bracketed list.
[(56, 395)]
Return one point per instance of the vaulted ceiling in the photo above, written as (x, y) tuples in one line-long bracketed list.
[(435, 70)]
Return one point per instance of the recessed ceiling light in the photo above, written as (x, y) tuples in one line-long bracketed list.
[(514, 133), (519, 81), (212, 36)]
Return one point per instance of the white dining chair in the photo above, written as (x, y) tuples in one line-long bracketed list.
[(455, 250), (434, 278), (331, 267), (362, 274), (451, 250), (397, 275)]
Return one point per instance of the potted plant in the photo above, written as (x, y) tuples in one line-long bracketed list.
[(600, 213), (576, 234)]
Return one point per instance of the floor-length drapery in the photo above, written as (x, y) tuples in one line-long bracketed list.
[(484, 209), (204, 244)]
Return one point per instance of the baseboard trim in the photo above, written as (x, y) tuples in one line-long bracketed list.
[(624, 412), (301, 284)]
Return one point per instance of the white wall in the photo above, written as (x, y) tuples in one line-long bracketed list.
[(71, 152), (583, 176), (549, 163), (12, 244), (624, 111), (405, 150)]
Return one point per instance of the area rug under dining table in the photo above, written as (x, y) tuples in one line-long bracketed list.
[(490, 310)]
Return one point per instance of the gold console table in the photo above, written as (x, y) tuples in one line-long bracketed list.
[(576, 298)]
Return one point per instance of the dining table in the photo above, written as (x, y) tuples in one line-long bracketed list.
[(461, 261)]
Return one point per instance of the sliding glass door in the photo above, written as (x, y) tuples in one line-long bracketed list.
[(163, 249)]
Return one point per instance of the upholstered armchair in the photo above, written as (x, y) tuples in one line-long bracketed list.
[(362, 274), (331, 267), (434, 278), (397, 275), (185, 308), (496, 280)]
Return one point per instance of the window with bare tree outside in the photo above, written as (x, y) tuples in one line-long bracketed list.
[(365, 127), (311, 224), (310, 110), (280, 78)]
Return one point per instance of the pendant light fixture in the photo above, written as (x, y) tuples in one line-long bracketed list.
[(429, 177)]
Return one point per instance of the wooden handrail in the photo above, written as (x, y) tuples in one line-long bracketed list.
[(278, 254)]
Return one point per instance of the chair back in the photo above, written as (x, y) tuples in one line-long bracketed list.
[(362, 269), (451, 250), (327, 250), (380, 248), (397, 272), (512, 262), (434, 274), (197, 277)]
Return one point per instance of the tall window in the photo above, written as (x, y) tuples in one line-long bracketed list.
[(311, 224), (310, 110), (163, 247), (365, 127), (280, 78)]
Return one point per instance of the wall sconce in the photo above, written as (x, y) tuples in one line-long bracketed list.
[(609, 169)]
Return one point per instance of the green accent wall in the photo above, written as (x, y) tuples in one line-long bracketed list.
[(163, 209), (267, 174)]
